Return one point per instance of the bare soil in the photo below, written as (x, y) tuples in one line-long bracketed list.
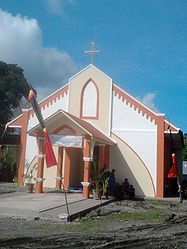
[(122, 224)]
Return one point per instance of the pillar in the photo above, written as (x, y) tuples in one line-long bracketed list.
[(160, 156), (87, 167), (21, 168), (41, 155), (59, 168), (67, 164)]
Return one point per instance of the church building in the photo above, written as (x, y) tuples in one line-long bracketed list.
[(89, 118)]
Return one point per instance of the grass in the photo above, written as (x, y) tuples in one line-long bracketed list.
[(155, 214), (149, 210), (100, 223)]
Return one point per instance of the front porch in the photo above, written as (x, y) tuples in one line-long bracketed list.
[(76, 143)]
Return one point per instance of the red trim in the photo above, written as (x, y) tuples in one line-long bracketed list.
[(81, 101), (139, 159), (160, 156)]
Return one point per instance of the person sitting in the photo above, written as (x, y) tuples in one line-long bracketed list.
[(125, 187), (131, 192)]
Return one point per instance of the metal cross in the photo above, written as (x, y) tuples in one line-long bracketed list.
[(92, 51)]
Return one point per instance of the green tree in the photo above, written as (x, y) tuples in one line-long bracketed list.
[(13, 87), (185, 148)]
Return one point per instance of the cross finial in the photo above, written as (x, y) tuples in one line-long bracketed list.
[(92, 51)]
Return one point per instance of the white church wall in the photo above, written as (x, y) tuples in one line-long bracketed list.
[(31, 150), (128, 165), (51, 172), (138, 131)]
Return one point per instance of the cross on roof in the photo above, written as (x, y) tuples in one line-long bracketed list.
[(92, 51)]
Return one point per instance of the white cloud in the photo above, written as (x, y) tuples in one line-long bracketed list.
[(148, 100), (21, 44)]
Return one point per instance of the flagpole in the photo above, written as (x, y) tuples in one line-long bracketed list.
[(65, 196), (66, 201)]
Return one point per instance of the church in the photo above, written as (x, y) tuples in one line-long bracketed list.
[(89, 118)]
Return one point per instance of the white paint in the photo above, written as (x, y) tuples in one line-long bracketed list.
[(110, 109), (125, 117), (137, 131), (89, 105), (31, 150)]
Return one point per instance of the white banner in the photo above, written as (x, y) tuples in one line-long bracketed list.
[(66, 140)]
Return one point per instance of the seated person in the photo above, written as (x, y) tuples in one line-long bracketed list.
[(125, 186), (131, 192)]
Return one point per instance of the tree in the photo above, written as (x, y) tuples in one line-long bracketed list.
[(13, 87), (185, 148)]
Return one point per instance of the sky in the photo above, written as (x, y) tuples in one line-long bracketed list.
[(142, 43)]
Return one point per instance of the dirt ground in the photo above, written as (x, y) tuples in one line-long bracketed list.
[(121, 224)]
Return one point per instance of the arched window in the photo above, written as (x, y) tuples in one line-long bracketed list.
[(89, 101)]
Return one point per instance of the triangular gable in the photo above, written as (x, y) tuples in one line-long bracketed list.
[(86, 68), (85, 126)]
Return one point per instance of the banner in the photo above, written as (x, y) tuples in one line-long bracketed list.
[(66, 140), (50, 156)]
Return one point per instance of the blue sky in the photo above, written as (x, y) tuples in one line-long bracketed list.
[(143, 46)]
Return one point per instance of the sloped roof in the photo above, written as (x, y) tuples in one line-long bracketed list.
[(137, 105), (85, 126)]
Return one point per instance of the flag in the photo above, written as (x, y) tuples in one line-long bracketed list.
[(32, 99), (173, 170), (50, 157), (49, 153)]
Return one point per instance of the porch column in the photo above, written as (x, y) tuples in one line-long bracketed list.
[(87, 167), (59, 168), (41, 155), (23, 141), (160, 156), (67, 164)]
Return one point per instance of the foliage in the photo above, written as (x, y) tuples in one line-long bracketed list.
[(185, 151), (13, 86), (29, 176), (98, 178)]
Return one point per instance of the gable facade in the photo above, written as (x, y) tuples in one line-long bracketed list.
[(138, 132)]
